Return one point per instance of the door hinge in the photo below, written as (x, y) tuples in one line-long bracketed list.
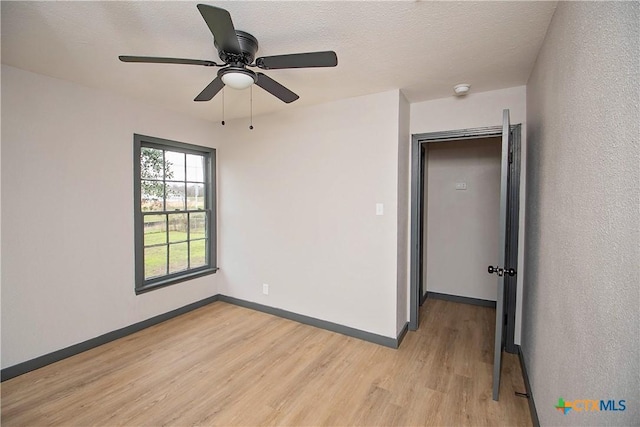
[(511, 157)]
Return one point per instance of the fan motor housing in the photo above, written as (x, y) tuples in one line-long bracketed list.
[(248, 46)]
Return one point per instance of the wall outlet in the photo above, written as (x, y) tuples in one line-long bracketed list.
[(265, 289), (461, 185)]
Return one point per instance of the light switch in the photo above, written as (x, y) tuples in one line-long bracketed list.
[(461, 185), (379, 209)]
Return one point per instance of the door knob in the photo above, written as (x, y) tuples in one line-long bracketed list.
[(501, 271)]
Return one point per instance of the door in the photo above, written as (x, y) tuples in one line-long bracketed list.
[(422, 222), (502, 272), (508, 221)]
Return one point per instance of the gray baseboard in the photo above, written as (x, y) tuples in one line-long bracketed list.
[(527, 386), (402, 334), (423, 298), (463, 300), (318, 323), (47, 359)]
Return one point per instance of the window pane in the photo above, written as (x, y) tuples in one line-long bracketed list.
[(177, 227), (195, 196), (151, 163), (198, 253), (155, 261), (173, 232), (155, 229), (198, 225), (195, 168), (178, 257), (175, 166), (152, 195), (175, 196)]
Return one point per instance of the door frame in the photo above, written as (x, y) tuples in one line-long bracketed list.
[(418, 166)]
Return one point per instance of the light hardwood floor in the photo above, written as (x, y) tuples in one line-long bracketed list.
[(226, 365)]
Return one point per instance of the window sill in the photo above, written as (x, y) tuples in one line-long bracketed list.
[(173, 280)]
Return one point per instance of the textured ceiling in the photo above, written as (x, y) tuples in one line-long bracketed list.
[(422, 48)]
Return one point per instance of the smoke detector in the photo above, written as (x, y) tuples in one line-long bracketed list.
[(461, 89)]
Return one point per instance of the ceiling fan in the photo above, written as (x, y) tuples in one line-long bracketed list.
[(237, 50)]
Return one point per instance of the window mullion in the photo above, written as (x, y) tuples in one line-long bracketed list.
[(164, 182), (188, 240), (167, 237), (185, 183)]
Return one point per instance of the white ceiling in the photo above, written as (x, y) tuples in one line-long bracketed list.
[(422, 48)]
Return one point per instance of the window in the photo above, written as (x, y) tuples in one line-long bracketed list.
[(175, 214)]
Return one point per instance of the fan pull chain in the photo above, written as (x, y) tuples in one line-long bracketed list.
[(251, 112), (223, 106)]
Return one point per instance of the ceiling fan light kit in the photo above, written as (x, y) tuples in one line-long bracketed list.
[(237, 78), (237, 49)]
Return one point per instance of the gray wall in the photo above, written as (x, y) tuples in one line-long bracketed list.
[(297, 211), (67, 213), (461, 232), (581, 302), (404, 167)]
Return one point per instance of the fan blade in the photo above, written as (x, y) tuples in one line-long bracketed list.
[(211, 90), (156, 60), (276, 89), (298, 60), (221, 26)]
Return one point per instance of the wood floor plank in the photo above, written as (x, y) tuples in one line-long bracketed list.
[(231, 366)]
